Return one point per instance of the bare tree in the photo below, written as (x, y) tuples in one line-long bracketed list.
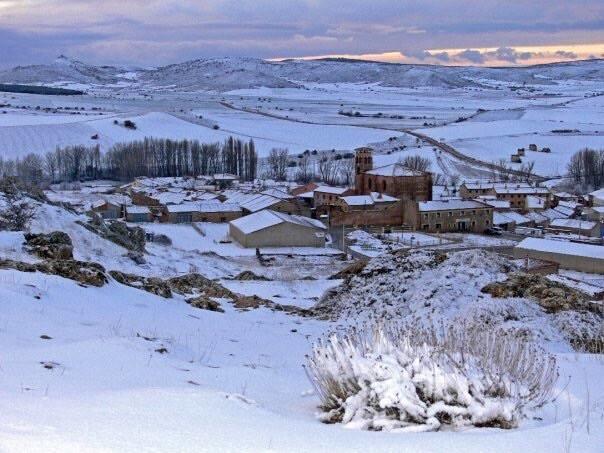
[(277, 160), (416, 163), (305, 171), (17, 210)]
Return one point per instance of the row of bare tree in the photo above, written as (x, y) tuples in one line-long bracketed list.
[(125, 161)]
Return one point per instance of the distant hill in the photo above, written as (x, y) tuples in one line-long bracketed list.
[(230, 73)]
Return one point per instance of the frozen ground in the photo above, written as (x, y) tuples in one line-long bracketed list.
[(82, 371), (496, 119)]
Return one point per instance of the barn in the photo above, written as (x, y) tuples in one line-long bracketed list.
[(269, 228), (569, 255)]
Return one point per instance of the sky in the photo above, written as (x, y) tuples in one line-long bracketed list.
[(156, 32)]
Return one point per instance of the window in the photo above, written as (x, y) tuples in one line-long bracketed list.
[(438, 215), (438, 226), (383, 186), (425, 227), (487, 222)]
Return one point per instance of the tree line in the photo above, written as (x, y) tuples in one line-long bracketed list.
[(125, 161)]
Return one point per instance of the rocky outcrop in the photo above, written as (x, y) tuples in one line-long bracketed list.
[(550, 295), (204, 303), (51, 246), (118, 232), (86, 273), (152, 285), (249, 275)]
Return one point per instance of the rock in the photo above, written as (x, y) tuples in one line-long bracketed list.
[(84, 272), (249, 275), (137, 257), (198, 284), (53, 246), (205, 303), (249, 302), (550, 295), (152, 285), (349, 271), (162, 239)]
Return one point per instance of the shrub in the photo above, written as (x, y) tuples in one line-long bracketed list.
[(385, 377), (129, 124)]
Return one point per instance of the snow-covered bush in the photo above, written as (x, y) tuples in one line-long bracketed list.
[(386, 377)]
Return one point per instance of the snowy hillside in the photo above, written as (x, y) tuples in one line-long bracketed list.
[(230, 73), (113, 367)]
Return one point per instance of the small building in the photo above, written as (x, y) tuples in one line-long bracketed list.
[(138, 214), (569, 255), (107, 209), (596, 198), (449, 215), (516, 159), (269, 228), (517, 193), (214, 211), (595, 214), (577, 226), (328, 195), (521, 152), (224, 180), (258, 202), (181, 213), (532, 147), (373, 201)]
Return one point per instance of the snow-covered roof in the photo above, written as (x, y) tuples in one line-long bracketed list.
[(537, 217), (573, 223), (216, 206), (514, 216), (331, 190), (553, 214), (396, 169), (444, 205), (267, 218), (598, 193), (310, 194), (225, 177), (187, 207), (259, 202), (533, 202), (562, 247), (494, 202), (521, 189), (277, 193), (368, 200), (135, 209)]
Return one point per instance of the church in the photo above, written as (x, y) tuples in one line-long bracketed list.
[(395, 179)]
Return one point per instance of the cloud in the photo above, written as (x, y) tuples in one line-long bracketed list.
[(473, 56), (173, 30), (566, 54)]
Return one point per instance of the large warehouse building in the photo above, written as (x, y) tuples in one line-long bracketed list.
[(569, 255), (275, 229)]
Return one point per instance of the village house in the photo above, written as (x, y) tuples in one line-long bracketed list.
[(577, 226), (217, 212), (375, 209), (138, 214), (224, 180), (107, 209), (596, 198), (595, 213), (258, 202), (515, 193), (395, 179), (449, 215), (328, 196), (269, 228)]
